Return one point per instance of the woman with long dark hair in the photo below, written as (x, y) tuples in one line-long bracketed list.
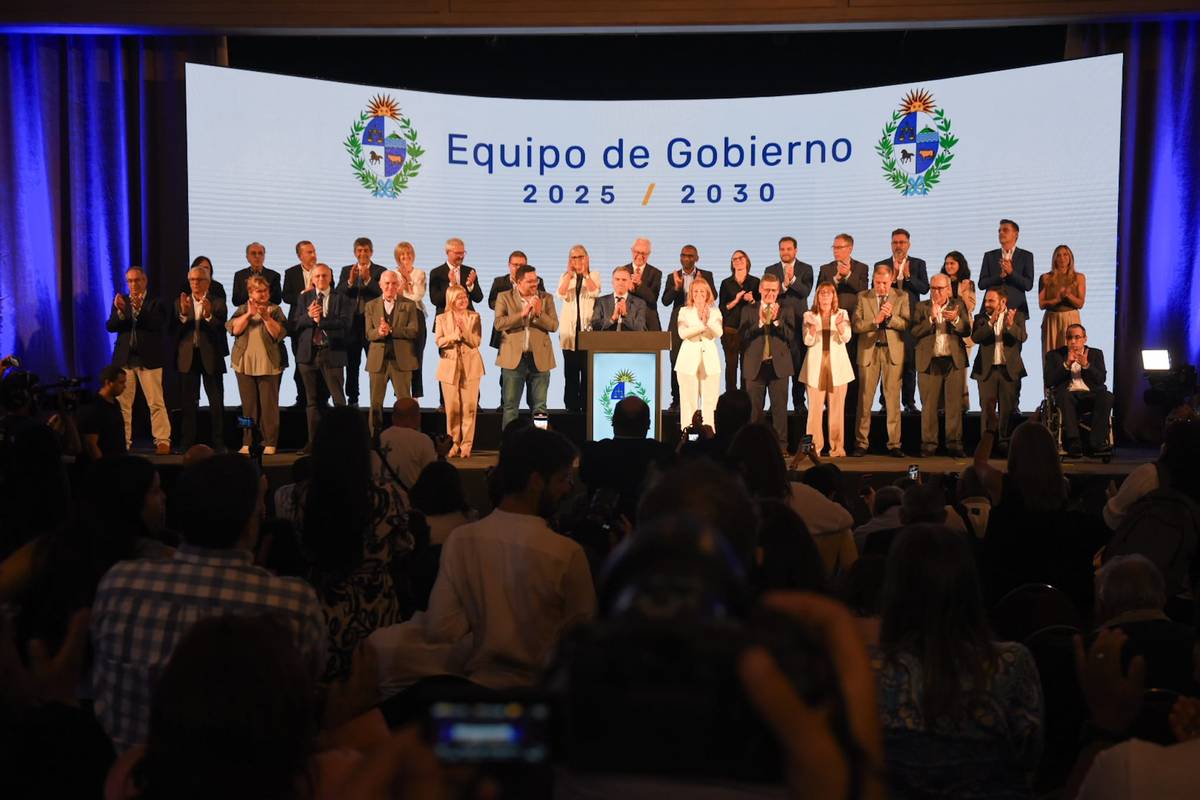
[(352, 528), (962, 713), (739, 289)]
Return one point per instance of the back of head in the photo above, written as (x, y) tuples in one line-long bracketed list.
[(338, 504), (1181, 443), (933, 610), (215, 500), (826, 479), (439, 489), (923, 503), (631, 418), (406, 413), (1128, 583), (710, 494), (887, 497), (232, 715), (530, 451), (1034, 471), (755, 452), (788, 558), (733, 412), (117, 489)]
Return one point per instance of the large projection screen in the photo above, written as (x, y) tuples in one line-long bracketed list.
[(269, 160)]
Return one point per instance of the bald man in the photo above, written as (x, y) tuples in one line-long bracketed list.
[(408, 451)]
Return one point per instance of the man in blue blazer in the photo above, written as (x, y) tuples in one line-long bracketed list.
[(320, 321), (1075, 374), (622, 310), (1009, 268)]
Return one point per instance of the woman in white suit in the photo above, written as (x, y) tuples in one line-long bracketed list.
[(697, 367), (827, 371), (578, 289)]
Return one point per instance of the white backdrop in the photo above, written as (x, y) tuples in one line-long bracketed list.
[(268, 162)]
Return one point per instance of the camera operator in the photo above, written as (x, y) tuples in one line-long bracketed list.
[(101, 423)]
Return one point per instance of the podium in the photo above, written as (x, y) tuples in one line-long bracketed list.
[(621, 364)]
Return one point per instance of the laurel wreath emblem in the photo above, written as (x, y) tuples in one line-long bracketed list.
[(921, 184), (629, 379), (384, 187)]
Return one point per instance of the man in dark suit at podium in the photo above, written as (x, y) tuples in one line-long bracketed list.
[(679, 289), (1075, 375), (1008, 268), (796, 282), (910, 276), (622, 310), (646, 280), (766, 334), (359, 284)]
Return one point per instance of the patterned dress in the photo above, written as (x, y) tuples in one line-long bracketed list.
[(987, 754)]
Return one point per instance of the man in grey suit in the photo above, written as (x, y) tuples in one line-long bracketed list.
[(938, 327), (999, 332), (525, 318), (391, 327), (909, 275), (1010, 268), (766, 333), (622, 310), (796, 282), (880, 318)]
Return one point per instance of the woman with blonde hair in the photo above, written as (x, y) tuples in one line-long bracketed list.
[(827, 370), (1061, 293), (578, 289), (458, 334), (413, 286), (698, 367), (258, 327)]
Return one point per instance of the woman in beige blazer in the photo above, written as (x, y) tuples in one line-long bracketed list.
[(827, 370), (458, 334), (698, 367), (257, 358), (578, 289)]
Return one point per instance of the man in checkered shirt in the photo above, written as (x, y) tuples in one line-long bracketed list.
[(143, 608)]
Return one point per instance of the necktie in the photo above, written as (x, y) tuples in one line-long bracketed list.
[(195, 324), (770, 309), (318, 334)]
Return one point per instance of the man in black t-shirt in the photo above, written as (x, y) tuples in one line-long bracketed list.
[(101, 424)]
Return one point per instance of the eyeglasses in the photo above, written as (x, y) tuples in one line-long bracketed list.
[(1075, 336), (840, 246)]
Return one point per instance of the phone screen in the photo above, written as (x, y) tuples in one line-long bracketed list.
[(693, 436), (492, 732), (541, 422)]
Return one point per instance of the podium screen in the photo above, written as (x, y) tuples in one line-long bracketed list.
[(616, 376)]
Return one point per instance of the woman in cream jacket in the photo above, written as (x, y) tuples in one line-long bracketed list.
[(697, 367), (458, 334), (578, 289), (827, 371)]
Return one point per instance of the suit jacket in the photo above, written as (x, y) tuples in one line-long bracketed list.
[(841, 371), (143, 332), (868, 332), (1016, 284), (439, 282), (402, 339), (800, 286), (849, 289), (275, 352), (918, 280), (356, 292), (647, 290), (1010, 339), (753, 335), (677, 299), (241, 295), (459, 347), (293, 285), (500, 285), (512, 325), (1055, 372), (636, 320), (210, 342), (334, 324), (924, 331), (700, 341), (729, 287)]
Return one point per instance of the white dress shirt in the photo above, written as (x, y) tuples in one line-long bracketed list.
[(998, 329)]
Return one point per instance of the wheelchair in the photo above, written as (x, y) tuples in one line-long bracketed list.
[(1052, 418)]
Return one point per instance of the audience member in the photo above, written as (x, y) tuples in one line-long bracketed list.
[(732, 414), (406, 448), (760, 463), (353, 528), (962, 714), (101, 423), (439, 495), (787, 557), (623, 462), (1176, 468), (288, 496), (885, 519), (975, 499), (143, 608)]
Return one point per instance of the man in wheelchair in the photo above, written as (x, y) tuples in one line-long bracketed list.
[(1075, 377)]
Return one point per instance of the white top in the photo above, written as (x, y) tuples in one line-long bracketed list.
[(700, 341), (1137, 484), (998, 329), (1077, 384), (513, 584), (941, 339), (408, 451), (1136, 769), (416, 290), (839, 359), (572, 311)]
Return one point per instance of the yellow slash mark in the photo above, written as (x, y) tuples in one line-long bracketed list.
[(649, 191)]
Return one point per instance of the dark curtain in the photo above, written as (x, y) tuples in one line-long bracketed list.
[(1158, 254), (93, 168)]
